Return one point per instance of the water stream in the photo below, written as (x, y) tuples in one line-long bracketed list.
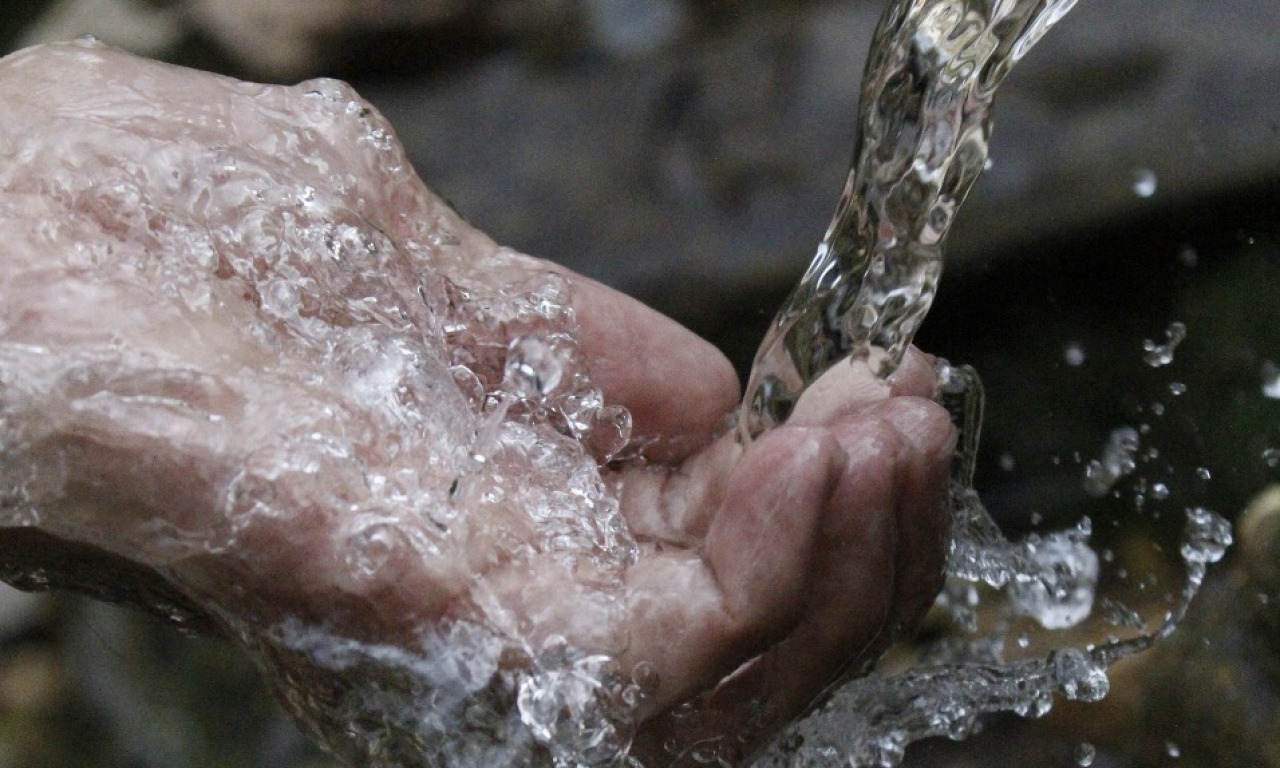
[(922, 141), (1019, 610), (477, 417)]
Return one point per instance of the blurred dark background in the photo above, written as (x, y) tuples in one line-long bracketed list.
[(690, 152)]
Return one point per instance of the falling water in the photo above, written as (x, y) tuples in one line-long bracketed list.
[(526, 422), (922, 141)]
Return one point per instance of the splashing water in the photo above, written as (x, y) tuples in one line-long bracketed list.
[(1156, 354), (520, 406), (923, 139)]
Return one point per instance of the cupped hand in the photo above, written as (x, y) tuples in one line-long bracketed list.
[(245, 353)]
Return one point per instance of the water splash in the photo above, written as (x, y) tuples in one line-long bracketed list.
[(482, 692), (923, 139), (1157, 354), (1118, 461), (421, 399)]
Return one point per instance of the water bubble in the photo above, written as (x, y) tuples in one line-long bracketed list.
[(1159, 491), (1172, 750), (1085, 754), (1007, 462), (1144, 182), (1271, 457), (1073, 355), (1188, 256), (1157, 355), (1203, 473), (1177, 388), (535, 366)]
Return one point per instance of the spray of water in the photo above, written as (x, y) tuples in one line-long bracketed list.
[(923, 139), (500, 372)]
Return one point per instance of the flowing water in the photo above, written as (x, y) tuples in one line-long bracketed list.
[(514, 422), (922, 141)]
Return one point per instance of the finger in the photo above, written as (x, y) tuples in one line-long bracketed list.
[(923, 513), (845, 609), (696, 616), (851, 385), (915, 376), (877, 564), (678, 387), (675, 505)]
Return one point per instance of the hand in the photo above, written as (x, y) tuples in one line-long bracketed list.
[(249, 375)]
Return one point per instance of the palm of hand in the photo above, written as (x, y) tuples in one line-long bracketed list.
[(230, 351)]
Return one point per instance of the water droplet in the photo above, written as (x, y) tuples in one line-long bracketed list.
[(1007, 462), (1159, 491), (1271, 380), (609, 432), (1207, 537), (1056, 581), (1188, 256), (1271, 457), (1118, 614), (1203, 473), (1074, 355), (1144, 182), (1117, 461), (645, 676), (535, 366), (1172, 750), (1085, 754), (1079, 676), (1157, 355), (1177, 388)]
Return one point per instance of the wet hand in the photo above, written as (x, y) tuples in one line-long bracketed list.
[(229, 357)]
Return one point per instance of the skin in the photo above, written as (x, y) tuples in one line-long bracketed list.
[(765, 571)]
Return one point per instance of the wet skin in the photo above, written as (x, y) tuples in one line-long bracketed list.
[(765, 571)]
